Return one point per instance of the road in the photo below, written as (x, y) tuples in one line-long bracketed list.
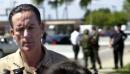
[(105, 50), (106, 53)]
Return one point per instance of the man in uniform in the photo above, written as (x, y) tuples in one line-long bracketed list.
[(31, 57), (86, 46), (95, 45), (88, 51)]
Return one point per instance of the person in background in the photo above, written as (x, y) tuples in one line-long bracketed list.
[(44, 37), (68, 67), (32, 56), (95, 45), (75, 39), (117, 39), (85, 43)]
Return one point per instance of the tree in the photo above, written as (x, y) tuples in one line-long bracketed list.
[(97, 18), (126, 8), (38, 1), (128, 1), (67, 3), (103, 17), (84, 3), (119, 18), (55, 4)]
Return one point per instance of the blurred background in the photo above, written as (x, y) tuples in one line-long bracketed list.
[(61, 16)]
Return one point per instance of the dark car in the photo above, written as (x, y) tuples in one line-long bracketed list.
[(57, 39), (7, 46)]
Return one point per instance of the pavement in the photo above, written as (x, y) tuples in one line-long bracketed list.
[(109, 63), (105, 53), (106, 56)]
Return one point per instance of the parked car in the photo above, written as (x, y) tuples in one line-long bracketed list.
[(57, 39), (127, 32), (105, 33), (7, 46)]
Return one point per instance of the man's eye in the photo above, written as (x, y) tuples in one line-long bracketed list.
[(30, 28), (19, 30)]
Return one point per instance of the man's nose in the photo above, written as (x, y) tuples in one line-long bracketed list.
[(26, 33)]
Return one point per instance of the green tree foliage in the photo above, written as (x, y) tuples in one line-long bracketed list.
[(97, 18), (38, 1), (103, 17), (68, 1), (128, 1), (126, 8), (84, 3), (53, 3), (120, 18), (56, 3)]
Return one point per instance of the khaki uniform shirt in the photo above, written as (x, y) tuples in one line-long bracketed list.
[(14, 61)]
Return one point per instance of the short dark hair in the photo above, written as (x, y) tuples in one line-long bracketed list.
[(119, 25), (68, 67), (94, 28), (24, 7)]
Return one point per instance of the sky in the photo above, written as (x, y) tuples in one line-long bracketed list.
[(74, 10)]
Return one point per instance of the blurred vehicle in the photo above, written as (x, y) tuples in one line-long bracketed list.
[(128, 33), (7, 46), (57, 39), (105, 33)]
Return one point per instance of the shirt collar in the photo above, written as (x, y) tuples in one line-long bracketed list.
[(18, 62)]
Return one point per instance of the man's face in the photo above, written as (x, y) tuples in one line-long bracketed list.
[(26, 30), (118, 28)]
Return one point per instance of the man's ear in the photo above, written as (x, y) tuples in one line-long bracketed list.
[(42, 25), (11, 32)]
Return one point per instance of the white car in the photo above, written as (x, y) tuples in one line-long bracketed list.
[(7, 46)]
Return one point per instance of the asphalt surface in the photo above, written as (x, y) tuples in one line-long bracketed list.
[(105, 52), (106, 55)]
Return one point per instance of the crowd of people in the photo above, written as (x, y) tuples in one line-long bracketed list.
[(89, 41), (32, 57)]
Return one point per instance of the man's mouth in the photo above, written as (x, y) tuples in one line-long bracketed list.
[(28, 43)]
